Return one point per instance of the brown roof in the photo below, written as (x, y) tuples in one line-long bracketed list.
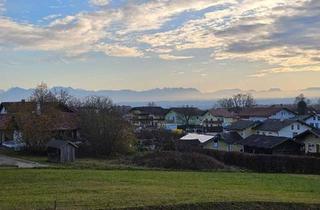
[(260, 111), (55, 122), (221, 112), (5, 121), (66, 121), (62, 117), (31, 107)]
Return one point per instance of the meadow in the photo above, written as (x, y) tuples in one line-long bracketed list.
[(110, 189)]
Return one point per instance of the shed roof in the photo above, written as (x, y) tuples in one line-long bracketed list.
[(262, 141), (60, 143), (200, 137)]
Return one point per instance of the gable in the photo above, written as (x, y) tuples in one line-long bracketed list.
[(283, 114)]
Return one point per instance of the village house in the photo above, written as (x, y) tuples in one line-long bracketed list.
[(218, 117), (310, 141), (282, 128), (147, 117), (264, 113), (186, 118), (15, 115), (261, 144), (210, 123), (244, 128)]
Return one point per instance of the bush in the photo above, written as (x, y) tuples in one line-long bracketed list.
[(267, 163), (177, 160)]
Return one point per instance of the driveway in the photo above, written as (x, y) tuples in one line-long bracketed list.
[(10, 161)]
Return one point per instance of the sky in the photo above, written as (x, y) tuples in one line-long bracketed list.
[(144, 44)]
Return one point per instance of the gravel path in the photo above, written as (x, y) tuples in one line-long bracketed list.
[(10, 161)]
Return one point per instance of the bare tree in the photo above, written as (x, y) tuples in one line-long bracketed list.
[(42, 94), (237, 101), (186, 114), (62, 96)]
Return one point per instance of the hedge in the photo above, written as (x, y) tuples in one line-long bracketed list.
[(267, 163), (233, 206), (177, 160)]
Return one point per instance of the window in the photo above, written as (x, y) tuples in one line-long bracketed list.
[(215, 144), (292, 127), (298, 126), (310, 147)]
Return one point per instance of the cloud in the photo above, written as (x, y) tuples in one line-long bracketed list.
[(173, 57), (99, 2), (154, 13), (2, 6), (120, 51), (281, 33)]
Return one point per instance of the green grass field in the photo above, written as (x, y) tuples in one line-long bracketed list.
[(99, 189)]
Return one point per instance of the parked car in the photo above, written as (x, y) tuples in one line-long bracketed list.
[(14, 145)]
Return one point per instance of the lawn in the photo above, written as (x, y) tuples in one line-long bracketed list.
[(100, 189)]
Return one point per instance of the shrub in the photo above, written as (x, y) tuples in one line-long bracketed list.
[(267, 163), (177, 160)]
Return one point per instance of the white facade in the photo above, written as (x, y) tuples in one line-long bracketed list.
[(293, 130), (289, 131), (282, 115), (314, 121)]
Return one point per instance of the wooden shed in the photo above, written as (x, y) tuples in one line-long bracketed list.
[(60, 151)]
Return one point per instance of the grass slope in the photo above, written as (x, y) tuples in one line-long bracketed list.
[(98, 189)]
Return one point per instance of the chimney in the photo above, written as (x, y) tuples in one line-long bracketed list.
[(38, 108)]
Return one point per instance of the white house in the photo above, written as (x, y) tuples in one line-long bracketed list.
[(264, 113), (282, 128)]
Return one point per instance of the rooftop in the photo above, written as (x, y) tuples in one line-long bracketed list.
[(262, 141), (241, 125), (194, 136)]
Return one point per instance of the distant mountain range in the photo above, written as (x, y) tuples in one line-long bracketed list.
[(166, 96)]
